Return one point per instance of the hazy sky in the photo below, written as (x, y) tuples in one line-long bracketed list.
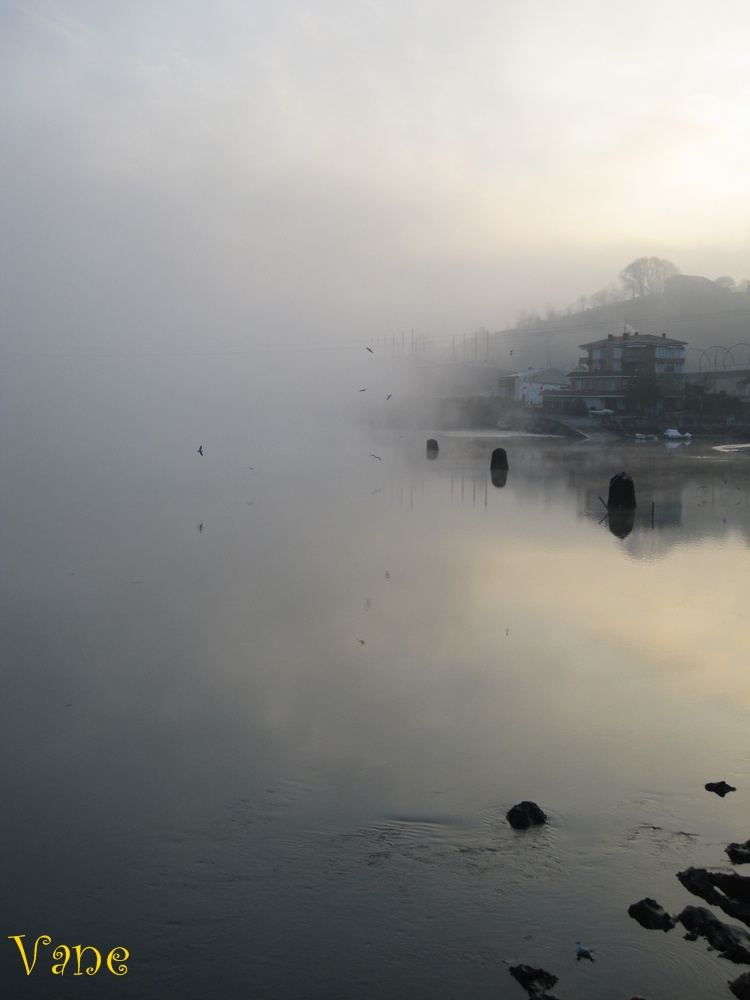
[(183, 173)]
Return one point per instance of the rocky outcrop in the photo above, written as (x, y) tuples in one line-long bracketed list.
[(732, 942), (726, 890)]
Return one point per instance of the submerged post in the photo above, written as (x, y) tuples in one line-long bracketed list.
[(621, 492), (499, 459)]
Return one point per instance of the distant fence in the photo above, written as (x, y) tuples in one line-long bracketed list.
[(717, 358)]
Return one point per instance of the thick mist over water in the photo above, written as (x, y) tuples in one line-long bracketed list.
[(264, 706), (264, 709)]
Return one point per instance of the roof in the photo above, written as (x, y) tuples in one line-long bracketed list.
[(634, 338)]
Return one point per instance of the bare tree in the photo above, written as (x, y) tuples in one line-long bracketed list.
[(647, 275)]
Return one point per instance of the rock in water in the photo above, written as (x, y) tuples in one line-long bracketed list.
[(732, 942), (534, 981), (524, 815), (739, 854), (650, 915), (741, 986), (720, 787)]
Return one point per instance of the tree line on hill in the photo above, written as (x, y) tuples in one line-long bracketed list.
[(640, 278)]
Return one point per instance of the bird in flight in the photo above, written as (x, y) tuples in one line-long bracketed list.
[(370, 350), (376, 456), (511, 353), (363, 390), (200, 450), (389, 395)]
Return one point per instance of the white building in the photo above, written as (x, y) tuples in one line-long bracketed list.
[(526, 387)]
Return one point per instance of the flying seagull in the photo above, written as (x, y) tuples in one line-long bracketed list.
[(200, 450), (389, 395), (582, 952), (376, 456), (369, 349), (363, 390)]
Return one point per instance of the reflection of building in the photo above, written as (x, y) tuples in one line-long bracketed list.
[(526, 387), (602, 377)]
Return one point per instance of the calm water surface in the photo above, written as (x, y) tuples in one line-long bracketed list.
[(261, 727)]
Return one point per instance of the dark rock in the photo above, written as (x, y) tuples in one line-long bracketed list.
[(621, 494), (499, 459), (732, 942), (534, 981), (734, 898), (720, 787), (524, 815), (697, 881), (735, 886), (741, 986), (739, 853), (650, 915)]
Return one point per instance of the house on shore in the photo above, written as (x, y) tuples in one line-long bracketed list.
[(526, 387), (602, 377)]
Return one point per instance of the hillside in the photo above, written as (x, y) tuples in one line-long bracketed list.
[(696, 310)]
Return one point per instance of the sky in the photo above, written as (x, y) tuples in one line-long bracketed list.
[(180, 175)]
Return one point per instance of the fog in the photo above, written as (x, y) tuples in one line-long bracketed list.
[(181, 178)]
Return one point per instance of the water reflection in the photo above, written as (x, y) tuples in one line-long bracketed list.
[(278, 752)]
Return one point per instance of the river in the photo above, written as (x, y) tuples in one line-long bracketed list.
[(265, 708)]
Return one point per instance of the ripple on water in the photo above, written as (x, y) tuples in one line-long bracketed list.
[(488, 847)]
